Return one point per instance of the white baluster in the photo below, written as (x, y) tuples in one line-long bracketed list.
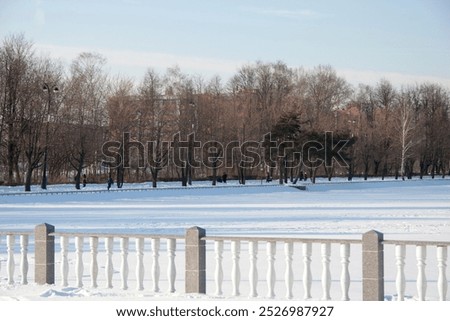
[(10, 240), (442, 278), (253, 272), (271, 277), (326, 274), (140, 263), (400, 254), (345, 274), (289, 274), (307, 275), (155, 265), (79, 261), (24, 257), (421, 255), (93, 242), (171, 271), (124, 262), (109, 269), (64, 242), (218, 250), (235, 269)]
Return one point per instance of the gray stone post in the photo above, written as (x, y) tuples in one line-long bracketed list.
[(195, 281), (373, 266), (44, 254)]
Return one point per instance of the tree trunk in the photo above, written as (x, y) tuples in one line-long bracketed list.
[(366, 170), (120, 176), (184, 175), (376, 167), (214, 174), (28, 177), (280, 170), (154, 177)]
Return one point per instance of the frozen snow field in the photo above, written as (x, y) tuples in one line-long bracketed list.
[(416, 209)]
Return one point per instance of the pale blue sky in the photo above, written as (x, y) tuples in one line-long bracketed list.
[(405, 41)]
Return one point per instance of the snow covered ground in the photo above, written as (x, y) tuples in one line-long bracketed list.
[(416, 209)]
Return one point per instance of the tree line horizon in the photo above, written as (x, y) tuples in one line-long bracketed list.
[(54, 124)]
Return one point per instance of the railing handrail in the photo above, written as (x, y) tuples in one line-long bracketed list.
[(418, 243), (281, 239), (233, 238), (16, 232), (194, 247), (119, 235)]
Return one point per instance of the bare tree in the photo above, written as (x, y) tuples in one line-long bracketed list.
[(326, 93), (158, 115), (124, 127), (405, 127), (84, 111), (16, 55), (39, 117)]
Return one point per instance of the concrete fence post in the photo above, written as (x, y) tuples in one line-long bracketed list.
[(44, 254), (195, 281), (373, 266)]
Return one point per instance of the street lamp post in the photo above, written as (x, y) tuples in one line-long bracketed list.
[(49, 89)]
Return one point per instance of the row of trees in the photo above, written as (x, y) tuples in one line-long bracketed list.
[(55, 122)]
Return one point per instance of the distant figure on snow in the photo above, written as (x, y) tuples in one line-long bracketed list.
[(224, 177), (84, 180), (110, 182)]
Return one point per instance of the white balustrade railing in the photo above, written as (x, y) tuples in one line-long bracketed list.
[(10, 268), (271, 276), (109, 248), (307, 275), (345, 273), (64, 243), (124, 261), (326, 273), (290, 270), (400, 254), (79, 260), (218, 274), (24, 258), (10, 240), (140, 263), (235, 270), (421, 263), (93, 242), (319, 253), (442, 277), (253, 271), (171, 270), (155, 266), (289, 274)]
